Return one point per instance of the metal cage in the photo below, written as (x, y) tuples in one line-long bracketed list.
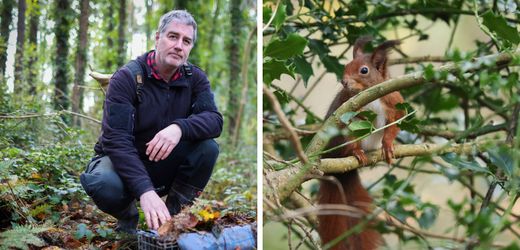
[(151, 241)]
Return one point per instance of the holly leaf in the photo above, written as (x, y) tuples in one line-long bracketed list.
[(303, 68), (279, 17), (273, 69), (456, 161), (502, 158), (292, 46), (499, 26)]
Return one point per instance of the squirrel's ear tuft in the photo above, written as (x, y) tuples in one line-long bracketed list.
[(360, 44), (380, 55)]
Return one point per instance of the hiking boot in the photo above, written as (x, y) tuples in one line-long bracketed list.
[(180, 195), (127, 219)]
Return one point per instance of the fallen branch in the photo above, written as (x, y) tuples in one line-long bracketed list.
[(29, 116), (103, 79)]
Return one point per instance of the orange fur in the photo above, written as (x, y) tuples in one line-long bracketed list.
[(332, 226)]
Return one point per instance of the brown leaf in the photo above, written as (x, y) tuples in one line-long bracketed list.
[(70, 242), (52, 248), (165, 228)]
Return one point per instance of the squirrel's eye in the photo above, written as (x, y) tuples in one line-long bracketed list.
[(363, 70)]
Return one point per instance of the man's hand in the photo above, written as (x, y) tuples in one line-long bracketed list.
[(163, 143), (155, 211)]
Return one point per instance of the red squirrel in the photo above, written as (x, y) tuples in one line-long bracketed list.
[(364, 71)]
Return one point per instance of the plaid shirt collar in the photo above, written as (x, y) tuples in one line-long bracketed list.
[(150, 60)]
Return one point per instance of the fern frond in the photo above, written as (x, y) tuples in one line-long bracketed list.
[(21, 237)]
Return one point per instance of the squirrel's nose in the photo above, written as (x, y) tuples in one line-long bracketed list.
[(345, 81)]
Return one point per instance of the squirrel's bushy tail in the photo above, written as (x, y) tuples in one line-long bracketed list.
[(334, 225)]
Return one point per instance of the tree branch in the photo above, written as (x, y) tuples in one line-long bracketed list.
[(364, 97), (279, 180), (286, 124), (29, 116), (410, 60)]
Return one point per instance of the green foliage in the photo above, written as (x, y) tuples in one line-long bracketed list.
[(234, 181), (473, 102), (498, 25), (402, 202), (22, 237), (462, 164)]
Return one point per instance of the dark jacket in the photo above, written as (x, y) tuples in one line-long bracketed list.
[(128, 124)]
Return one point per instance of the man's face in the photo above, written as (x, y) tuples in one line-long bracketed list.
[(173, 46)]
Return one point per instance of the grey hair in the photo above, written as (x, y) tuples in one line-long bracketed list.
[(181, 16)]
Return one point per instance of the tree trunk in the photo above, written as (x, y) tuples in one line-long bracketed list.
[(180, 5), (81, 58), (6, 18), (245, 87), (212, 32), (121, 44), (147, 25), (20, 39), (33, 45), (110, 41), (234, 66), (61, 63)]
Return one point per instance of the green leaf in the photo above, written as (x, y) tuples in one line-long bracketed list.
[(292, 46), (360, 128), (318, 47), (498, 25), (273, 69), (345, 118), (428, 216), (282, 97), (279, 17), (502, 158), (332, 65), (369, 115), (20, 237), (429, 73), (303, 68), (360, 125), (267, 12), (455, 160), (82, 231)]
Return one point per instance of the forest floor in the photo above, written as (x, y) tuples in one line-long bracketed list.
[(43, 206)]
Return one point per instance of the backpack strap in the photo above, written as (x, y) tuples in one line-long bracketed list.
[(137, 71), (187, 69)]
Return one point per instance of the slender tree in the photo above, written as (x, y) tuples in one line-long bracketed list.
[(34, 21), (210, 41), (61, 62), (148, 23), (109, 63), (121, 31), (234, 65), (6, 18), (81, 59), (180, 5), (20, 41)]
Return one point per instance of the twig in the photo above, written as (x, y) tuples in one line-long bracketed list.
[(429, 234), (28, 116), (298, 102), (272, 16), (412, 60), (457, 135), (286, 124)]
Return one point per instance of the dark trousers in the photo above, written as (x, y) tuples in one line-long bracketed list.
[(190, 163)]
